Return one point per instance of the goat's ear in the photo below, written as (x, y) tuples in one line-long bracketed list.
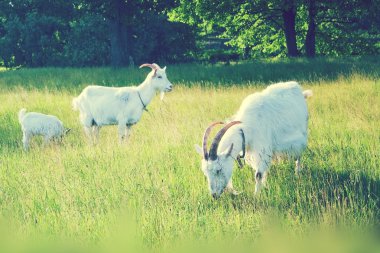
[(164, 68), (67, 130), (198, 149), (228, 151)]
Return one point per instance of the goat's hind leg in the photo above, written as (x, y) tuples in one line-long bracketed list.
[(88, 132), (88, 123), (95, 133), (25, 140)]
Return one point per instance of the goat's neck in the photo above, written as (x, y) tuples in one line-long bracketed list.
[(146, 91), (234, 136)]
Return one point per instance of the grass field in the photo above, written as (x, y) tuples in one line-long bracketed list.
[(151, 194)]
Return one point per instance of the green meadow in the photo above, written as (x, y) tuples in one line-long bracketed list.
[(151, 194)]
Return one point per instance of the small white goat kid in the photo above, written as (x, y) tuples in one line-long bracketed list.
[(100, 105), (34, 123), (268, 123)]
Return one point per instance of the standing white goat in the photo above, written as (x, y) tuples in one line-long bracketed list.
[(100, 105), (268, 123), (34, 123)]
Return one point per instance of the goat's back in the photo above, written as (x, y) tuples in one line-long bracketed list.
[(99, 96), (275, 117), (96, 90), (39, 123)]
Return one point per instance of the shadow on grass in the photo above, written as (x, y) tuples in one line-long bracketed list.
[(266, 72), (314, 192)]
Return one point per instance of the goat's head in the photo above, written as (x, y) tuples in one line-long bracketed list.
[(158, 78), (217, 167)]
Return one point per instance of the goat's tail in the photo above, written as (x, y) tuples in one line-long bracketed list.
[(21, 114), (307, 93), (75, 104)]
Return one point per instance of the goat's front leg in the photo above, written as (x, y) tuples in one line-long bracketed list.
[(230, 188), (261, 174), (128, 131), (298, 165), (261, 162), (46, 141), (121, 129)]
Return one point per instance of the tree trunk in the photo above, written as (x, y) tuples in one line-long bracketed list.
[(310, 35), (118, 34), (289, 19)]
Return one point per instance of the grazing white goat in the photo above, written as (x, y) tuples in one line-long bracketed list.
[(34, 123), (268, 123), (100, 105)]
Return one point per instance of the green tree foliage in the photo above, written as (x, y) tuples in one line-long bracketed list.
[(348, 27), (261, 28)]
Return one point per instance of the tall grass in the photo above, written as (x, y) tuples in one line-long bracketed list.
[(151, 192)]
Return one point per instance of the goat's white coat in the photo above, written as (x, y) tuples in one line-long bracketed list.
[(100, 105), (34, 123), (274, 122)]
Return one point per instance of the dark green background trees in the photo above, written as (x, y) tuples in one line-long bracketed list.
[(90, 33), (38, 33)]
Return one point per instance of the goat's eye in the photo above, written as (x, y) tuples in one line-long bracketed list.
[(159, 76)]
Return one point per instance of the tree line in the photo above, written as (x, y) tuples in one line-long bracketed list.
[(39, 33)]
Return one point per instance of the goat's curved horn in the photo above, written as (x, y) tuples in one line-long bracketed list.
[(156, 65), (205, 137), (153, 66), (218, 137)]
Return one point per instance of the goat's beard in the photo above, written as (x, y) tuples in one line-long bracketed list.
[(162, 95)]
